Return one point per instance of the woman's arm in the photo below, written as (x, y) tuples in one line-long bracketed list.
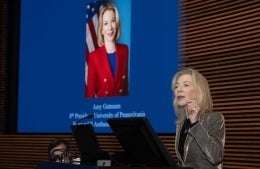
[(209, 134)]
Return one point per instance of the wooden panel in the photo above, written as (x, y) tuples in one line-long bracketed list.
[(222, 40), (27, 151)]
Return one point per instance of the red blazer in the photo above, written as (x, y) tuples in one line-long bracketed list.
[(100, 80)]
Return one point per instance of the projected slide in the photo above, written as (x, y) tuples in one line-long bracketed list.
[(69, 68)]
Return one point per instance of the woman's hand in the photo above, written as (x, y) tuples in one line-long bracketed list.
[(192, 111)]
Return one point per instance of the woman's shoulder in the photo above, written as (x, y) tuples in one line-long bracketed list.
[(120, 45), (97, 51), (214, 116), (211, 115)]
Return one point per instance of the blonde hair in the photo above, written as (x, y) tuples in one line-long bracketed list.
[(202, 89), (107, 7)]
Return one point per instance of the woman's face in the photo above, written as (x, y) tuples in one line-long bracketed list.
[(109, 26), (184, 90)]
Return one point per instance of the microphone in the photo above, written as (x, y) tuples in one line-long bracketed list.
[(89, 116)]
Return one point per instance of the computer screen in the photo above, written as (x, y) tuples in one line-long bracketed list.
[(140, 142)]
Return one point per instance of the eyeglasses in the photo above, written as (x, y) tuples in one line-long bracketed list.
[(60, 155)]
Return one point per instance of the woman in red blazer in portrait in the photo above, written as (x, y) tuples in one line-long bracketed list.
[(108, 65)]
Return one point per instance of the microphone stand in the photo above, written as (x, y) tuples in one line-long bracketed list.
[(89, 116)]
